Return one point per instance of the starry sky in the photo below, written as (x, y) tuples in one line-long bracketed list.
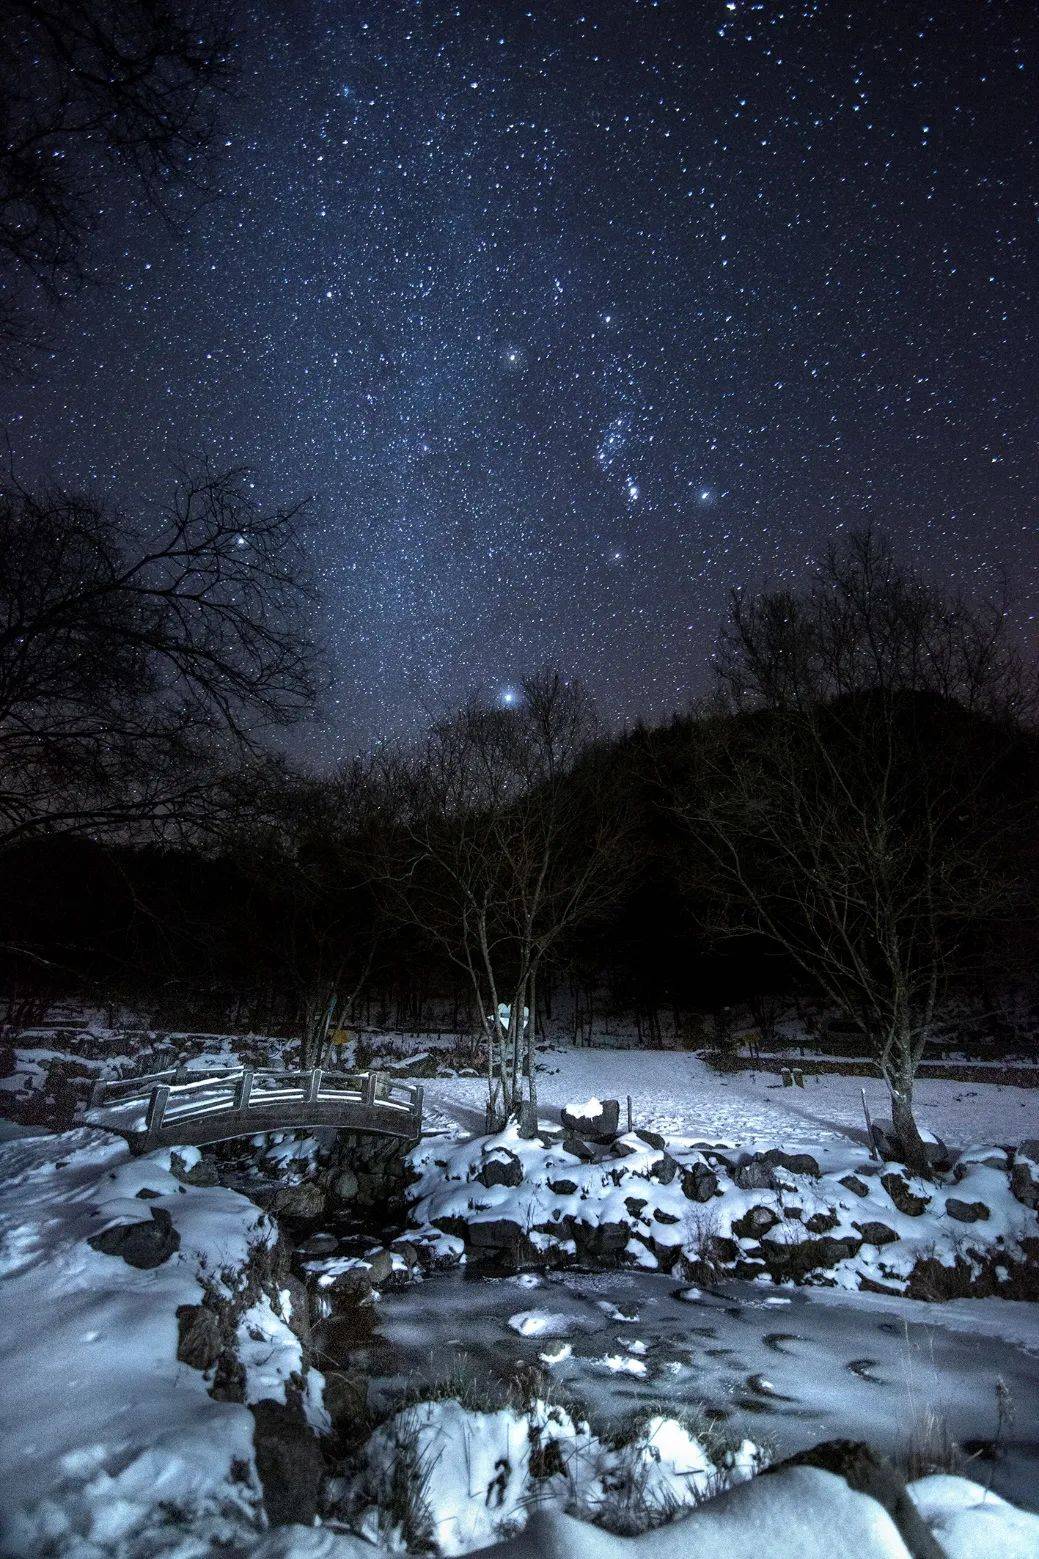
[(573, 317)]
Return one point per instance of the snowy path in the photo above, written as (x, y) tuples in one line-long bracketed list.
[(674, 1092)]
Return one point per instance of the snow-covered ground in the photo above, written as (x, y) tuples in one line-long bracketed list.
[(677, 1093)]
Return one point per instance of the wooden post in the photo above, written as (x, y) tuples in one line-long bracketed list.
[(629, 1112), (313, 1087), (156, 1109), (243, 1088), (97, 1093), (416, 1110), (371, 1087), (180, 1076)]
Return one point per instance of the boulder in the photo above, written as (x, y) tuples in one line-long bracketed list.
[(634, 1205), (1029, 1149), (876, 1233), (305, 1201), (500, 1240), (663, 1169), (821, 1223), (699, 1183), (289, 1463), (578, 1148), (867, 1473), (966, 1212), (601, 1241), (562, 1187), (1024, 1183), (597, 1125), (754, 1223), (905, 1199), (794, 1163), (318, 1245), (854, 1184), (204, 1173), (142, 1245), (198, 1336), (755, 1175), (652, 1139), (344, 1185), (380, 1265), (346, 1400), (500, 1167), (793, 1259)]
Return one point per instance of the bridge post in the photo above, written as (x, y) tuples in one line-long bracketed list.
[(243, 1088), (313, 1087), (156, 1110), (371, 1087), (97, 1093), (416, 1109)]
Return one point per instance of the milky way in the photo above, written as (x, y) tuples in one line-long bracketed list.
[(572, 318)]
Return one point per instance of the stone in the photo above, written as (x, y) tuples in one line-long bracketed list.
[(499, 1239), (318, 1245), (601, 1241), (966, 1212), (1028, 1149), (755, 1175), (562, 1187), (652, 1139), (634, 1205), (198, 1336), (699, 1183), (793, 1259), (661, 1215), (600, 1127), (754, 1223), (663, 1169), (346, 1400), (867, 1473), (854, 1184), (338, 1337), (289, 1463), (794, 1163), (821, 1223), (344, 1185), (142, 1245), (500, 1168), (296, 1301), (876, 1233), (1025, 1185), (204, 1173), (578, 1148), (305, 1201), (903, 1196), (380, 1265), (407, 1251)]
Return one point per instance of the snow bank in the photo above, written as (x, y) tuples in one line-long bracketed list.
[(972, 1523), (112, 1441), (832, 1217)]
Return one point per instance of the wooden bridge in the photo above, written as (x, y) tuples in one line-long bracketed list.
[(189, 1107)]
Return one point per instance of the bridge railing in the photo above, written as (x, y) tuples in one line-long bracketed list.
[(275, 1098)]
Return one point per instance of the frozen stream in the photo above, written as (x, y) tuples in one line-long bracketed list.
[(790, 1366)]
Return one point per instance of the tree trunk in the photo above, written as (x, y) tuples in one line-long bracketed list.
[(529, 1109), (908, 1140)]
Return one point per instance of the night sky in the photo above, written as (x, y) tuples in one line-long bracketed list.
[(572, 317)]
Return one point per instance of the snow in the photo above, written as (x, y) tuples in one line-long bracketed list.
[(587, 1111), (971, 1522), (675, 1092), (113, 1438)]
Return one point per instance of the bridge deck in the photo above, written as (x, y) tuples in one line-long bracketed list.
[(193, 1107)]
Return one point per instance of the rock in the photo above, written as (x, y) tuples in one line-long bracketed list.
[(562, 1187), (407, 1252), (966, 1212), (1028, 1149), (623, 1147), (339, 1336), (346, 1399), (141, 1245), (344, 1185), (652, 1139), (660, 1215), (876, 1233), (699, 1183), (500, 1167), (755, 1175), (501, 1240), (598, 1127), (794, 1259), (821, 1223), (754, 1223), (380, 1266), (867, 1473), (900, 1192), (296, 1302), (1025, 1185), (305, 1201), (203, 1173), (289, 1463), (853, 1183), (198, 1336), (794, 1163), (578, 1148), (601, 1241), (634, 1205), (318, 1245), (663, 1169)]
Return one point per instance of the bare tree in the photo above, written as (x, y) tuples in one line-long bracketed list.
[(862, 809), (87, 86), (500, 848), (139, 656)]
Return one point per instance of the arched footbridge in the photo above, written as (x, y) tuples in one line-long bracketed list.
[(190, 1107)]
